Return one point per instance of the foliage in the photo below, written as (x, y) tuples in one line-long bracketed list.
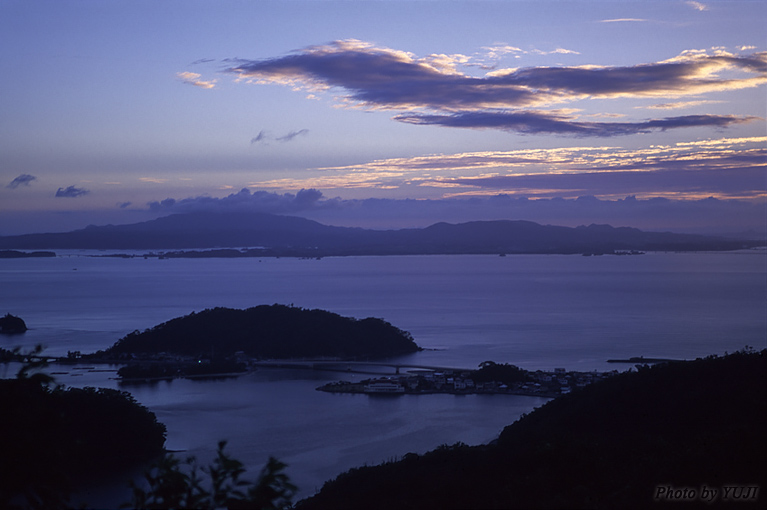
[(6, 355), (56, 437), (265, 331), (500, 372), (32, 364), (173, 484)]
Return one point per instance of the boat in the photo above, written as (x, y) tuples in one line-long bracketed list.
[(384, 386)]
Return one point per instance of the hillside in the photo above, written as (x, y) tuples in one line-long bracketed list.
[(619, 443), (267, 331), (57, 439), (276, 235)]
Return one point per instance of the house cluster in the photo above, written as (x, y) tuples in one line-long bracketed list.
[(559, 382), (538, 383)]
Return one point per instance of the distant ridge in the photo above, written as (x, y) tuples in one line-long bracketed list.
[(294, 236)]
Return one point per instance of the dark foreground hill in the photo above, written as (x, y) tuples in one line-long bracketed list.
[(55, 439), (636, 440), (267, 331), (291, 236)]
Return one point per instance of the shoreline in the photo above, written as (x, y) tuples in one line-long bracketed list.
[(328, 389)]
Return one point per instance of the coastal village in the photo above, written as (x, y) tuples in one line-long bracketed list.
[(538, 383), (490, 378)]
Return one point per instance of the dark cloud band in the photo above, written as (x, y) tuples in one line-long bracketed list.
[(21, 180), (71, 192), (542, 122), (381, 78), (736, 181)]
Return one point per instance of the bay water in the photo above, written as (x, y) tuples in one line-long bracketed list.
[(534, 311)]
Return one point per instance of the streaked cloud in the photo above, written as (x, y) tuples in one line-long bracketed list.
[(500, 50), (259, 138), (531, 122), (153, 180), (21, 180), (431, 90), (558, 51), (71, 192), (623, 20), (678, 105), (290, 136), (194, 79), (727, 167), (741, 183), (697, 5), (264, 136)]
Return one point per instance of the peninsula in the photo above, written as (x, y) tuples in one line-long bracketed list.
[(629, 441), (490, 378)]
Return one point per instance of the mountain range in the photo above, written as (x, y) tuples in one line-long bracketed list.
[(276, 235)]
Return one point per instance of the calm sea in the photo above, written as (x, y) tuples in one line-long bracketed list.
[(537, 312)]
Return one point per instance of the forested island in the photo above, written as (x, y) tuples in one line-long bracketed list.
[(275, 331), (11, 325), (661, 434)]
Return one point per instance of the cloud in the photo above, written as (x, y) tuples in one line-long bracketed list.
[(292, 135), (260, 138), (500, 50), (702, 182), (124, 205), (697, 6), (71, 192), (307, 197), (531, 122), (264, 136), (623, 20), (563, 51), (21, 180), (558, 51), (153, 180), (450, 174), (677, 105), (194, 79), (244, 200), (431, 90)]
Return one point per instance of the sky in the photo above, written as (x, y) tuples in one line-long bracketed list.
[(385, 114)]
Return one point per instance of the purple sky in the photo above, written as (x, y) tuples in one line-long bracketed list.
[(387, 113)]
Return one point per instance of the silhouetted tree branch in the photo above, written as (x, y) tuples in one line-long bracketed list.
[(173, 484)]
